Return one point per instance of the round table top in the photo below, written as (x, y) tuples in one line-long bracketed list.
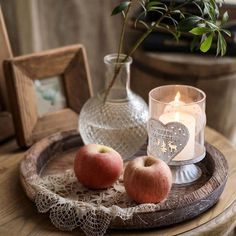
[(19, 216)]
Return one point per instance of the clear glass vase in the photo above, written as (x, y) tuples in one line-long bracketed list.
[(120, 121)]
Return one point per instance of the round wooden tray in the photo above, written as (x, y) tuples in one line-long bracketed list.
[(56, 153)]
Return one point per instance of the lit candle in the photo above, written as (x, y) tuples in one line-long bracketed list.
[(188, 121), (177, 103), (192, 109)]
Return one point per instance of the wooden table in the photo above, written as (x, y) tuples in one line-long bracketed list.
[(18, 216)]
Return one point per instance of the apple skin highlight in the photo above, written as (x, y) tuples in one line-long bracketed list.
[(147, 180), (97, 166)]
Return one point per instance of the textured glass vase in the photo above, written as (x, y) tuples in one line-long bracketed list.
[(121, 121)]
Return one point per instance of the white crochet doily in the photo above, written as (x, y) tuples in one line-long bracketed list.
[(71, 205)]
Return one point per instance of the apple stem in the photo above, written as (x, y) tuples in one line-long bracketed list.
[(149, 161), (102, 150)]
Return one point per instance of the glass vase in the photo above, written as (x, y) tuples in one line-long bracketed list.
[(120, 121)]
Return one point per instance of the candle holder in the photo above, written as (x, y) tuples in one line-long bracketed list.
[(176, 129)]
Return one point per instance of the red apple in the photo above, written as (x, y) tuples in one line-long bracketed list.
[(97, 166), (147, 179)]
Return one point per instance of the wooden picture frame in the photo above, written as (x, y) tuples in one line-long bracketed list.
[(69, 62), (6, 123)]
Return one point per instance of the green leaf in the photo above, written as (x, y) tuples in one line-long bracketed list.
[(194, 43), (218, 45), (200, 30), (176, 34), (175, 23), (178, 12), (139, 17), (155, 3), (121, 7), (227, 32), (199, 7), (221, 45), (206, 44), (225, 18), (156, 8), (142, 4), (160, 12), (143, 23), (151, 4), (188, 23), (211, 9)]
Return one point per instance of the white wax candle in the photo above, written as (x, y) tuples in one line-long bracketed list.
[(189, 121), (193, 109)]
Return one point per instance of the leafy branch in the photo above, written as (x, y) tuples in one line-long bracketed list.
[(174, 18)]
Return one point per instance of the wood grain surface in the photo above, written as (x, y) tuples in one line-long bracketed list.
[(18, 215), (178, 64)]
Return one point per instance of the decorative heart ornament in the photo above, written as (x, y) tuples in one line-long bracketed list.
[(166, 141)]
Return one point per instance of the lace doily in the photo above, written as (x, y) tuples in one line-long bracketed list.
[(71, 205)]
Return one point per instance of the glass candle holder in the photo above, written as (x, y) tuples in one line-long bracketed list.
[(176, 127)]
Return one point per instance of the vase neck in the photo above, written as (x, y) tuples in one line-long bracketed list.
[(121, 87)]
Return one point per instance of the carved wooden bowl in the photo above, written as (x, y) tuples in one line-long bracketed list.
[(56, 154)]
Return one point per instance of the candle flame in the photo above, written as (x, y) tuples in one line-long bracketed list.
[(177, 97)]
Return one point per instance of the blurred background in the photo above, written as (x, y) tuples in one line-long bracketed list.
[(36, 25)]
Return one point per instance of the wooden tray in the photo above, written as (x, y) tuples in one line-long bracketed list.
[(56, 153)]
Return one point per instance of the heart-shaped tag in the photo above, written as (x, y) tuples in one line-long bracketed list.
[(166, 141)]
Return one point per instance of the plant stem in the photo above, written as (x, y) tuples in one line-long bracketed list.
[(120, 49), (121, 41), (130, 53)]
